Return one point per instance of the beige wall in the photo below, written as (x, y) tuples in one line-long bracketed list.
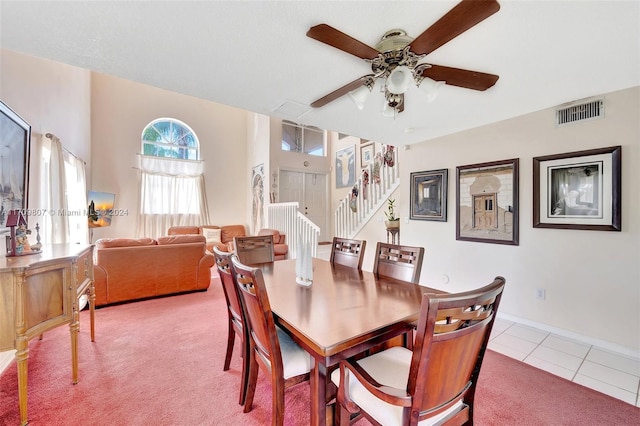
[(53, 98), (591, 278), (257, 155), (121, 109)]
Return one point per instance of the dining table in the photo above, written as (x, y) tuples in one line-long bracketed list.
[(343, 313)]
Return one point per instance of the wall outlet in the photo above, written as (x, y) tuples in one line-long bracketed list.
[(541, 294)]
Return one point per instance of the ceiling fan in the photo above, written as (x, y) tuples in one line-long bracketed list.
[(396, 58)]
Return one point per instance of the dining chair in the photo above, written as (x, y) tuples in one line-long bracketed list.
[(436, 381), (398, 262), (347, 252), (270, 348), (253, 250), (237, 320)]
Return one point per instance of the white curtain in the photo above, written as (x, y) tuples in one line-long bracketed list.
[(58, 200), (77, 214), (171, 194)]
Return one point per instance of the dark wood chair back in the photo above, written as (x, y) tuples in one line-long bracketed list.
[(264, 340), (256, 303), (451, 339), (398, 262), (347, 252), (237, 322), (253, 250)]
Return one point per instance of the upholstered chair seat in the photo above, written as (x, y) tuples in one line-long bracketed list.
[(295, 360), (391, 368)]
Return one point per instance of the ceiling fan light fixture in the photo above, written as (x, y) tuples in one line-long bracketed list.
[(430, 87), (388, 110), (360, 95), (399, 80)]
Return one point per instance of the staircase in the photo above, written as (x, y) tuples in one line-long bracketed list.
[(371, 197), (286, 218), (298, 229)]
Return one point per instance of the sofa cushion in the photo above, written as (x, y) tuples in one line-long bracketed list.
[(179, 230), (124, 242), (212, 235), (278, 238), (181, 239), (224, 247), (231, 231)]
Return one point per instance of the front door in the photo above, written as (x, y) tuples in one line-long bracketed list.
[(310, 191)]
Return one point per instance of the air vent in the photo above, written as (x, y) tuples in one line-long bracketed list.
[(580, 111)]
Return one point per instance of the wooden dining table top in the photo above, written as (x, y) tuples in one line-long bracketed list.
[(343, 308)]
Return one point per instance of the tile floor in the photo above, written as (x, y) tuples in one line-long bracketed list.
[(613, 374)]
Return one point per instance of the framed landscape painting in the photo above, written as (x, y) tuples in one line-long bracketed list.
[(429, 195), (487, 202), (578, 190), (15, 139)]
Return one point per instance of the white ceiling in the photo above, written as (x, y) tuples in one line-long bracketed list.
[(256, 56)]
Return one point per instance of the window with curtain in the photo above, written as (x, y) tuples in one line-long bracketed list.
[(171, 178), (60, 197)]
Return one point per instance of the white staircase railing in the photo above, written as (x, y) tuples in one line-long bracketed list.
[(370, 199), (286, 218)]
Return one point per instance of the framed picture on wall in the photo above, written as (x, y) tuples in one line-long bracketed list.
[(429, 195), (15, 140), (346, 167), (578, 190), (487, 202), (367, 152)]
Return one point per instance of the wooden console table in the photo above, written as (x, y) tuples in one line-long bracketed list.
[(39, 292)]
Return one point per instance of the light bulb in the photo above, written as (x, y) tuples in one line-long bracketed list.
[(399, 80)]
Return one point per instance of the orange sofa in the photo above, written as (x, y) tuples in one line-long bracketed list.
[(220, 236), (132, 269)]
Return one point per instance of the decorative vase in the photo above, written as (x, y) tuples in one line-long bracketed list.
[(392, 224)]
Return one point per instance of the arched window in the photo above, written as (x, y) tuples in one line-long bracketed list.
[(171, 189), (170, 138)]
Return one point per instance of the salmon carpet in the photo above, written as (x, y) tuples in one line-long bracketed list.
[(159, 362)]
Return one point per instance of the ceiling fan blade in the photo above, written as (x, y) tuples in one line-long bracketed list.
[(463, 16), (462, 78), (340, 92), (342, 41)]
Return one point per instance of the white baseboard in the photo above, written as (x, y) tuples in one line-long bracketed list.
[(5, 359), (602, 344)]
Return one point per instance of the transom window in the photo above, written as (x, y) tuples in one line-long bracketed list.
[(304, 139), (170, 138)]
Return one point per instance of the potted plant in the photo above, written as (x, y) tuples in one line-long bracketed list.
[(392, 220)]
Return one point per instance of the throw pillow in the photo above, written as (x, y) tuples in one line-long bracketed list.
[(212, 235)]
